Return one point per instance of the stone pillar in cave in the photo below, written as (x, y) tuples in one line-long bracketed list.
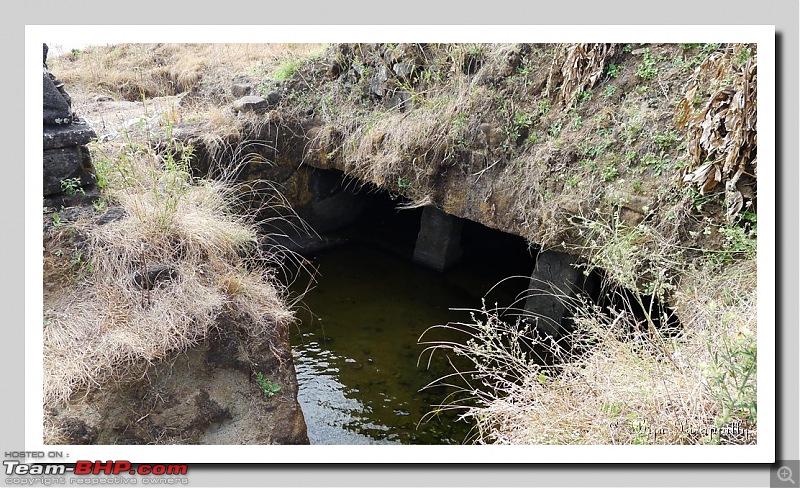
[(439, 240), (554, 278)]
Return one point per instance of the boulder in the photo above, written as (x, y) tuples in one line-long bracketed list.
[(403, 70), (239, 90), (273, 98), (251, 103)]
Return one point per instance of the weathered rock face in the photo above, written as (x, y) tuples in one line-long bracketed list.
[(69, 176), (56, 106)]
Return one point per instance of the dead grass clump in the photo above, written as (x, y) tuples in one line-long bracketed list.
[(113, 322), (695, 388), (407, 149)]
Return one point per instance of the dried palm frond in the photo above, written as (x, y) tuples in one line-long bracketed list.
[(577, 67), (721, 138)]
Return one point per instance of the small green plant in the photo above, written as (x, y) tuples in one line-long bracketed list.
[(99, 205), (533, 137), (609, 173), (572, 181), (592, 151), (627, 48), (544, 106), (555, 129), (584, 96), (647, 70), (267, 387), (286, 70), (458, 129), (744, 55), (477, 50), (732, 378), (403, 183), (698, 58), (72, 186), (577, 121), (57, 220), (740, 240), (665, 141), (589, 164), (658, 164), (613, 70), (81, 268), (521, 121), (605, 131), (609, 91)]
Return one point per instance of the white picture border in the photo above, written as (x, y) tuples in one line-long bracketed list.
[(83, 35)]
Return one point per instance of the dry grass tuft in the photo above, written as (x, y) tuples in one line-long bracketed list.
[(133, 71)]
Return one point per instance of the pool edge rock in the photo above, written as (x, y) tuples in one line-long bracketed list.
[(205, 395)]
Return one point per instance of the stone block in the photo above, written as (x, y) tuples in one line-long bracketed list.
[(65, 163), (554, 278), (439, 240), (79, 133), (251, 103), (239, 90)]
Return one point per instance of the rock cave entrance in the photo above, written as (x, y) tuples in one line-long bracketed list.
[(498, 267), (381, 275)]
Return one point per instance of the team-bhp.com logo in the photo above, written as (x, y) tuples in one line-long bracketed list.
[(47, 473)]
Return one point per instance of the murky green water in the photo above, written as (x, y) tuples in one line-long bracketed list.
[(356, 355), (356, 348)]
